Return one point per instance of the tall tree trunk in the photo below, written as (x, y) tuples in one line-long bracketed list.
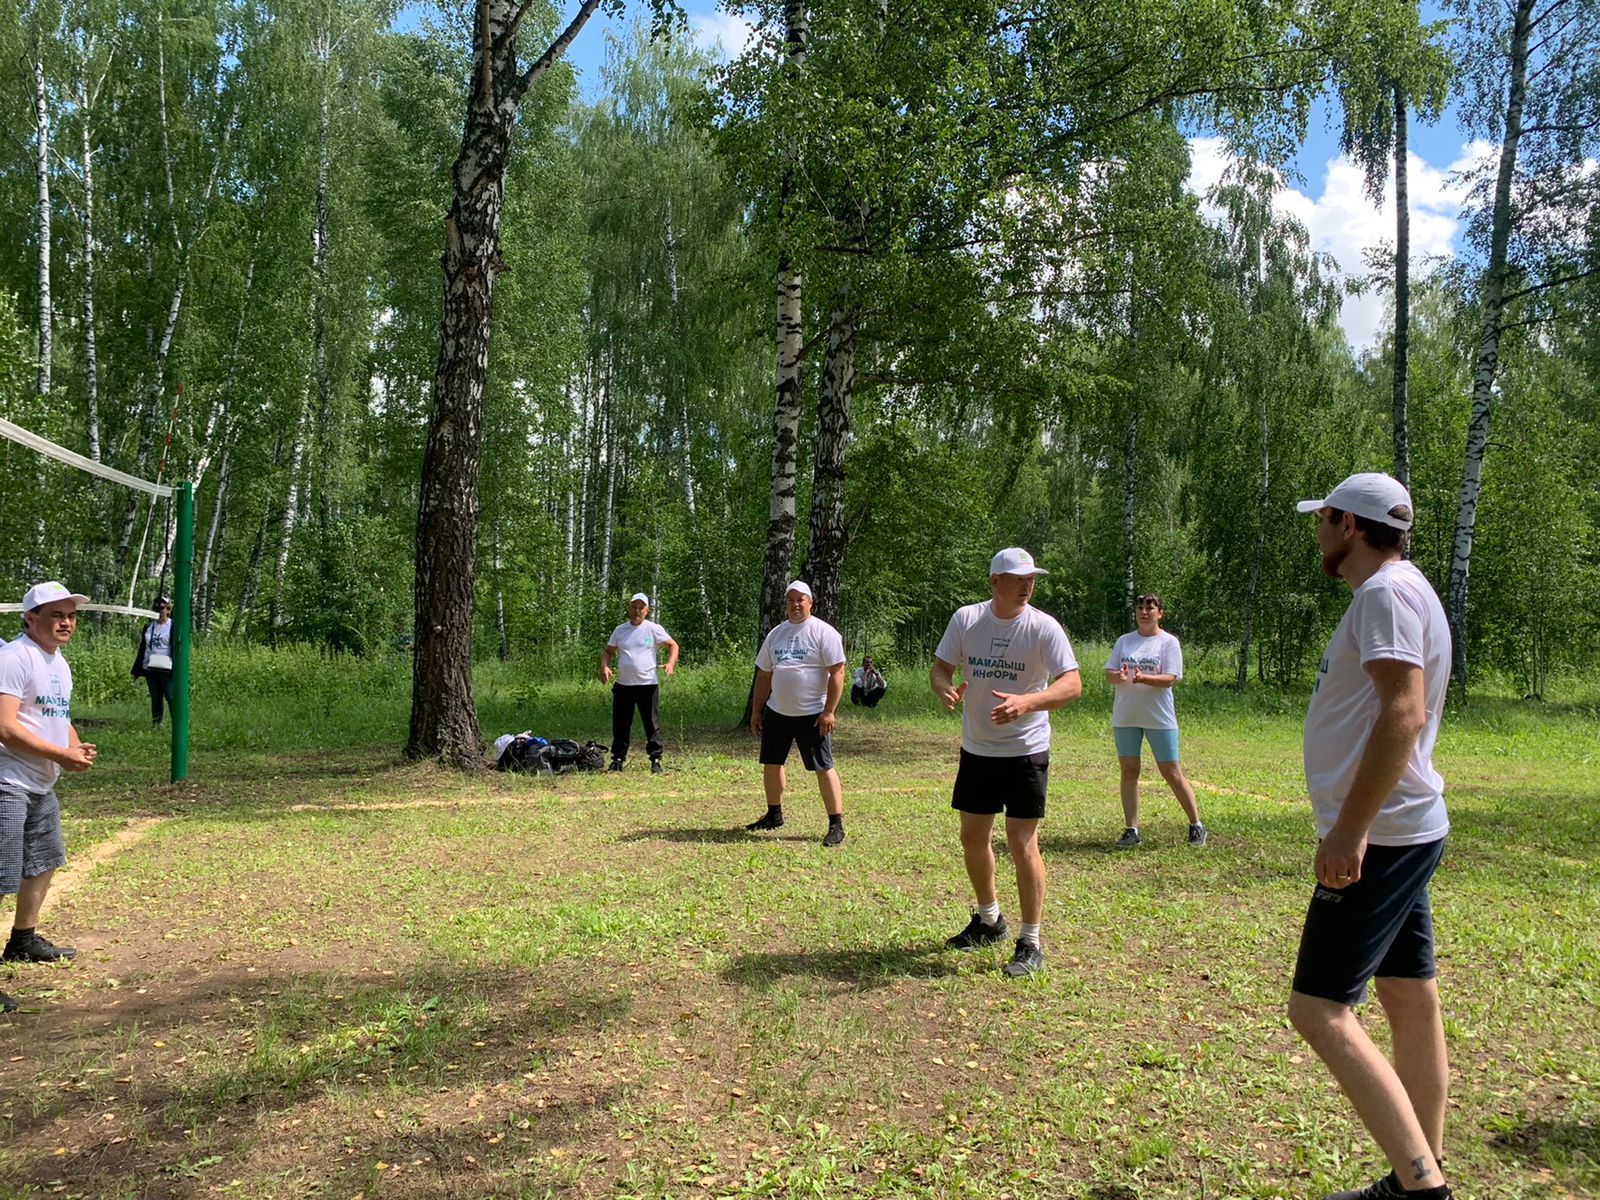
[(500, 600), (325, 439), (829, 536), (205, 587), (1130, 450), (291, 515), (1494, 288), (610, 517), (41, 119), (678, 422), (1402, 293), (779, 559), (91, 364), (1253, 586), (444, 723)]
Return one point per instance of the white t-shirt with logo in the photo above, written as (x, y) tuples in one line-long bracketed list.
[(1017, 656), (636, 651), (43, 682), (158, 646), (800, 658), (1394, 616), (1138, 705)]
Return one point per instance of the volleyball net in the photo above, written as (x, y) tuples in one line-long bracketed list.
[(180, 514)]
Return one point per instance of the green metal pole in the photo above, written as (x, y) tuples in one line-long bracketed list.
[(182, 573)]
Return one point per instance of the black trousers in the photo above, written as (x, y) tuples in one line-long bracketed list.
[(861, 695), (160, 685), (625, 698)]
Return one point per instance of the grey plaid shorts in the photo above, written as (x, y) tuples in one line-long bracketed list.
[(30, 835)]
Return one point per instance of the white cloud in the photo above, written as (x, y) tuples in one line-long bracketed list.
[(1345, 223), (723, 34)]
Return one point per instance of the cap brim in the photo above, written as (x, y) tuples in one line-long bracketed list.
[(1306, 506)]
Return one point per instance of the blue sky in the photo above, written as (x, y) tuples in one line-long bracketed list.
[(1327, 197)]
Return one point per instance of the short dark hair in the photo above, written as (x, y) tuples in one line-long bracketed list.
[(1152, 598), (1381, 536)]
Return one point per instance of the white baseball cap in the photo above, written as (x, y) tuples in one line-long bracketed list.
[(639, 596), (1014, 561), (1371, 494), (801, 586), (48, 593)]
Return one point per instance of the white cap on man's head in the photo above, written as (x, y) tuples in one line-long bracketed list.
[(639, 596), (801, 586), (1014, 561), (41, 594), (1371, 494)]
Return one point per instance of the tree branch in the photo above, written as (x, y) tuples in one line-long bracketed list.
[(554, 51), (1550, 283)]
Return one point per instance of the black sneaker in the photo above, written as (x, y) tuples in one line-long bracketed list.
[(656, 768), (1197, 834), (1387, 1188), (34, 948), (616, 765), (834, 836), (1025, 960), (771, 819), (1129, 839), (977, 934), (7, 1004)]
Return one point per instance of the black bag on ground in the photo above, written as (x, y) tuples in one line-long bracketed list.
[(528, 755), (564, 754)]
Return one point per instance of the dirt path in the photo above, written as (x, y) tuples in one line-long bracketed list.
[(79, 869)]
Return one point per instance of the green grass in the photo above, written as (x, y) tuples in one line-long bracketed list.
[(326, 971)]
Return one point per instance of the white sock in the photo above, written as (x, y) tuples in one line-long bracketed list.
[(1028, 933), (990, 912)]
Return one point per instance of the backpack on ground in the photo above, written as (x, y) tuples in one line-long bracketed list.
[(525, 754), (564, 754)]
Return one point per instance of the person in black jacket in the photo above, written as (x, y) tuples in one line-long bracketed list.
[(155, 658)]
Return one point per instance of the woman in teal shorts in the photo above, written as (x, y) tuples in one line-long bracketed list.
[(1143, 667)]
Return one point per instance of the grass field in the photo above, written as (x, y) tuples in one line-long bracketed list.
[(318, 970)]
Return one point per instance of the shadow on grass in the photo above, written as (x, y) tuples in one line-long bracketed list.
[(1568, 1144), (713, 836), (307, 1036), (865, 969)]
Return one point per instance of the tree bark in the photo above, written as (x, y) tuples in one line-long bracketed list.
[(779, 560), (91, 364), (444, 722), (829, 536), (324, 434), (1402, 294), (1494, 288), (41, 126), (1130, 450)]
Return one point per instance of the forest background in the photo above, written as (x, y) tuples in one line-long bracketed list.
[(1004, 317)]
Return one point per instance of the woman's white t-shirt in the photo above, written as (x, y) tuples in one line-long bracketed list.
[(1394, 616), (1016, 657), (1138, 705), (43, 682), (799, 658), (158, 646), (636, 651)]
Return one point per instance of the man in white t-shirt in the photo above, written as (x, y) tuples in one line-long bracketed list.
[(636, 644), (1023, 666), (37, 742), (1143, 667), (799, 681), (1379, 804)]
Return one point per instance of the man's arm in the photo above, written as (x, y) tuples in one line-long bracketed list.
[(1402, 713), (672, 657), (759, 697), (941, 678), (76, 756), (829, 715), (1066, 688), (606, 656)]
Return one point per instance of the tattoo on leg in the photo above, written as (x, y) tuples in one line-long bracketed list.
[(1421, 1168)]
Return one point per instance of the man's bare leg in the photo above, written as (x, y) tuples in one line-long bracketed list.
[(1420, 1058)]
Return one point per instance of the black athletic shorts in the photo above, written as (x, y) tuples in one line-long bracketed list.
[(1013, 785), (1381, 925), (779, 732)]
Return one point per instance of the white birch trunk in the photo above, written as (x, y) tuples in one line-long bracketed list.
[(1130, 450), (91, 365), (319, 270), (291, 511), (1494, 288)]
